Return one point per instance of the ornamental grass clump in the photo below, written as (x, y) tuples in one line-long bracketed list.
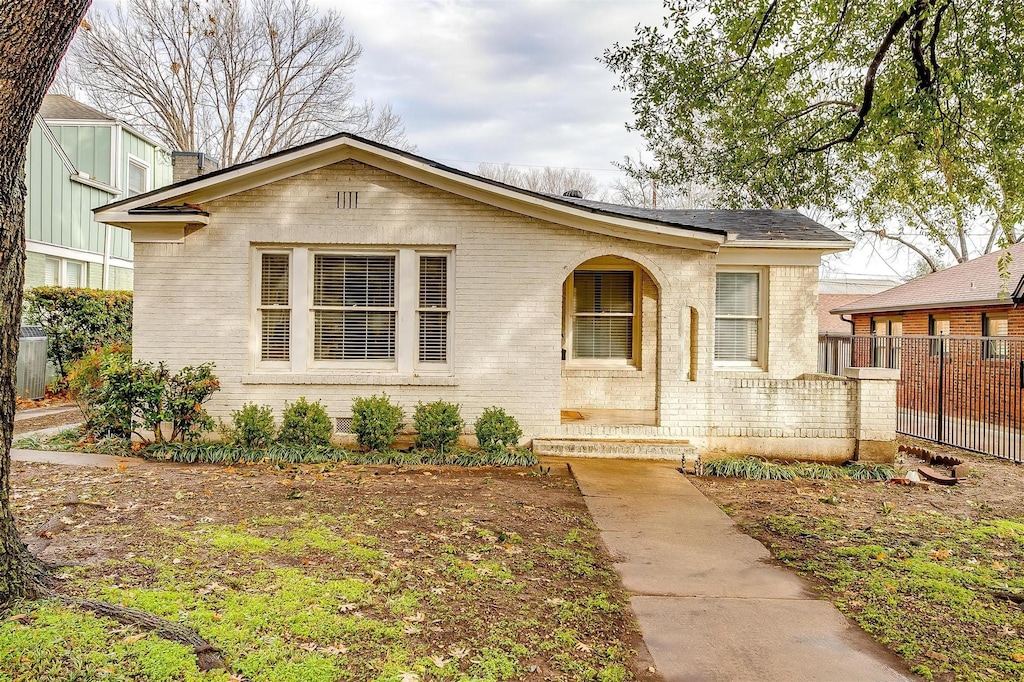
[(497, 430), (305, 424), (438, 426), (376, 421), (755, 468)]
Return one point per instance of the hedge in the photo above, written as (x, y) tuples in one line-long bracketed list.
[(78, 321)]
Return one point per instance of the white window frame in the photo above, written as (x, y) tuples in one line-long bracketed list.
[(311, 311), (569, 316), (449, 308), (302, 273), (761, 361), (147, 177), (257, 318), (62, 271)]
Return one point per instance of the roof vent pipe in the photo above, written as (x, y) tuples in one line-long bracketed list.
[(574, 193)]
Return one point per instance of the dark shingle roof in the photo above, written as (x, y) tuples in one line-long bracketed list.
[(976, 282), (746, 224), (63, 108)]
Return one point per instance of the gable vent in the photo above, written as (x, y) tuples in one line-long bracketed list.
[(348, 199)]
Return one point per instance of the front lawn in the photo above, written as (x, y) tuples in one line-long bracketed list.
[(322, 573), (936, 574)]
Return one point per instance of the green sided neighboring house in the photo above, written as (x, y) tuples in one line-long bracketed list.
[(80, 158)]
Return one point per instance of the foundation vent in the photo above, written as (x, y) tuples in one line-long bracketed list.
[(343, 424)]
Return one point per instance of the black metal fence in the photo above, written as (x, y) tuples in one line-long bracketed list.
[(961, 391)]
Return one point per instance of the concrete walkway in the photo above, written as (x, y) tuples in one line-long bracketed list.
[(710, 603)]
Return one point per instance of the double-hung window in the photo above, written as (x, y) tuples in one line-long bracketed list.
[(326, 309), (274, 306), (603, 315), (738, 323), (997, 325), (354, 307), (138, 177)]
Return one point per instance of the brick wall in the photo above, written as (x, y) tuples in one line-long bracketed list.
[(193, 304)]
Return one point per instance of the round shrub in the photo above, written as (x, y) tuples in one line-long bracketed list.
[(253, 426), (375, 421), (305, 423), (497, 430), (438, 425)]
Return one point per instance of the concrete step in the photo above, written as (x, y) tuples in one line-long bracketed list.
[(618, 448)]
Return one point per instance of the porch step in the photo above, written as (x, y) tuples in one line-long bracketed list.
[(618, 448)]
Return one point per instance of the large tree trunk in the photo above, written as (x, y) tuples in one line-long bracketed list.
[(34, 36)]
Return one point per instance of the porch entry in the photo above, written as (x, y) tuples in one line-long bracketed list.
[(610, 344)]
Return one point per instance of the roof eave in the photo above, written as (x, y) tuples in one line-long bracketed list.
[(830, 246), (985, 303)]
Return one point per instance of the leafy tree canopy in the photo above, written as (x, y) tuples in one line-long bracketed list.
[(900, 117)]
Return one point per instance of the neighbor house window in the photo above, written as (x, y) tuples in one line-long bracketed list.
[(603, 315), (887, 349), (61, 272), (938, 325), (327, 308), (738, 323), (138, 177), (995, 326)]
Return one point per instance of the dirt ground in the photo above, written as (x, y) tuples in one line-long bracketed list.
[(994, 490), (558, 612)]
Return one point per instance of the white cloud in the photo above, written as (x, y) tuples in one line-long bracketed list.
[(501, 81)]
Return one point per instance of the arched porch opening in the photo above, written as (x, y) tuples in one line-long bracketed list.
[(610, 343)]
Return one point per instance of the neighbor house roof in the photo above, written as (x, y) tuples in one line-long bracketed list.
[(829, 322), (978, 282), (712, 228), (63, 108)]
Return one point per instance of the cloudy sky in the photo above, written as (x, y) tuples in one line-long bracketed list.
[(499, 81)]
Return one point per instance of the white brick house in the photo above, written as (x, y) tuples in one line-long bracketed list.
[(343, 268)]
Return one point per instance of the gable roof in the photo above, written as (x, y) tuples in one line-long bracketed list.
[(974, 283), (712, 228), (63, 108)]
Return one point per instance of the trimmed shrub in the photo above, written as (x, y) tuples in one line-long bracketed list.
[(497, 430), (375, 421), (252, 426), (85, 382), (305, 423), (438, 425), (78, 321)]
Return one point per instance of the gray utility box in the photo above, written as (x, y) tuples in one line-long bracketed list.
[(31, 374)]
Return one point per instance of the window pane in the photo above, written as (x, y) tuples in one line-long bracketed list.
[(275, 334), (433, 336), (51, 276), (136, 179), (354, 335), (602, 337), (998, 326), (736, 293), (274, 279), (73, 274), (433, 282), (354, 281), (603, 292), (736, 340)]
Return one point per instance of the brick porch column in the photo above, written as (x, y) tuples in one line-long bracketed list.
[(876, 413)]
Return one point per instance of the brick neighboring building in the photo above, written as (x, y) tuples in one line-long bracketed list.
[(970, 299)]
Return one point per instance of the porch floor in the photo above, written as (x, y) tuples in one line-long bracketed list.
[(584, 416)]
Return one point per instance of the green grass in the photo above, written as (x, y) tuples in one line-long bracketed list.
[(755, 468), (923, 584)]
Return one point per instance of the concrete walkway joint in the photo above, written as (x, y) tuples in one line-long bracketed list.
[(711, 603)]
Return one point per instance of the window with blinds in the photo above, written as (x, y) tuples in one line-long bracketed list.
[(275, 310), (354, 311), (737, 317), (432, 311), (603, 315)]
